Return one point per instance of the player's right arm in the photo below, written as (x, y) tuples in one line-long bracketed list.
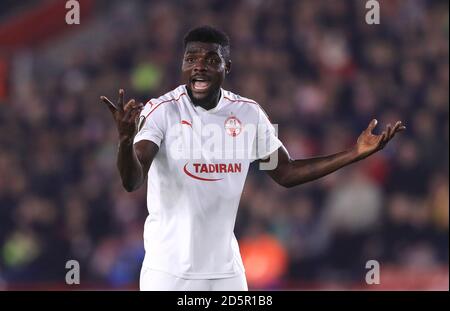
[(133, 160)]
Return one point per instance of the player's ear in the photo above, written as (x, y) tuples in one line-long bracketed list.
[(228, 66)]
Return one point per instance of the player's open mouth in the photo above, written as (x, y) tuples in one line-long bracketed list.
[(200, 84)]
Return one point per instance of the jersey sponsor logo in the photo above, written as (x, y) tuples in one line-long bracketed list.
[(197, 170), (233, 126)]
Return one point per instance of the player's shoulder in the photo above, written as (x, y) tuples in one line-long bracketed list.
[(164, 101), (236, 99), (253, 105)]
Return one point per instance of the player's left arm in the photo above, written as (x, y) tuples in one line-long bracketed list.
[(289, 172)]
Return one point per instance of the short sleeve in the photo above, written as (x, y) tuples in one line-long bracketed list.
[(266, 141), (151, 124)]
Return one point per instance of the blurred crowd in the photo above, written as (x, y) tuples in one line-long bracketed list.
[(320, 72)]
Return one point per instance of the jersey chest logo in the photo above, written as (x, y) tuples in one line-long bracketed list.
[(198, 170), (233, 126)]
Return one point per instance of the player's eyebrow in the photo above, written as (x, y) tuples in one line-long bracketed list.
[(201, 51)]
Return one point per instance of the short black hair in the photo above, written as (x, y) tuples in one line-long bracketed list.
[(209, 34)]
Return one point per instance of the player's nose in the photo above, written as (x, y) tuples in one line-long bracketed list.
[(200, 65)]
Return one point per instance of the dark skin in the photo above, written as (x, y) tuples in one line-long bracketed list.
[(133, 161), (204, 68), (289, 172), (207, 62)]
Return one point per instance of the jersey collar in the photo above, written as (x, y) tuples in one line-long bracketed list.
[(213, 110)]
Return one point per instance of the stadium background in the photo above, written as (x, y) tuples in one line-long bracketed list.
[(319, 71)]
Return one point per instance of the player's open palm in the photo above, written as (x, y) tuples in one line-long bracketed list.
[(124, 115), (369, 143)]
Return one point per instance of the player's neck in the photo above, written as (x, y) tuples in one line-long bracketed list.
[(207, 103)]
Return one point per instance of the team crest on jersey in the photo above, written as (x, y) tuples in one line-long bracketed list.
[(233, 126)]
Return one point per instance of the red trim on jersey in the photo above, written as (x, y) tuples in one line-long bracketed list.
[(250, 102), (166, 101), (241, 100)]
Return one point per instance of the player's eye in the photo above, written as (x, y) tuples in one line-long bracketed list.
[(213, 61), (189, 60)]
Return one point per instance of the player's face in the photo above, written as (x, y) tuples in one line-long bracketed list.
[(204, 68)]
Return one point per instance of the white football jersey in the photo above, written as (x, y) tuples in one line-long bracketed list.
[(196, 179)]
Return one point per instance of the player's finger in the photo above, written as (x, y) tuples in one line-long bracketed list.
[(137, 107), (108, 103), (383, 140), (389, 129), (128, 115), (131, 104), (120, 101), (385, 136), (399, 126), (135, 114), (372, 125), (397, 129), (394, 130), (396, 126)]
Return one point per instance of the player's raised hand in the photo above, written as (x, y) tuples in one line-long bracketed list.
[(369, 143), (124, 115)]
